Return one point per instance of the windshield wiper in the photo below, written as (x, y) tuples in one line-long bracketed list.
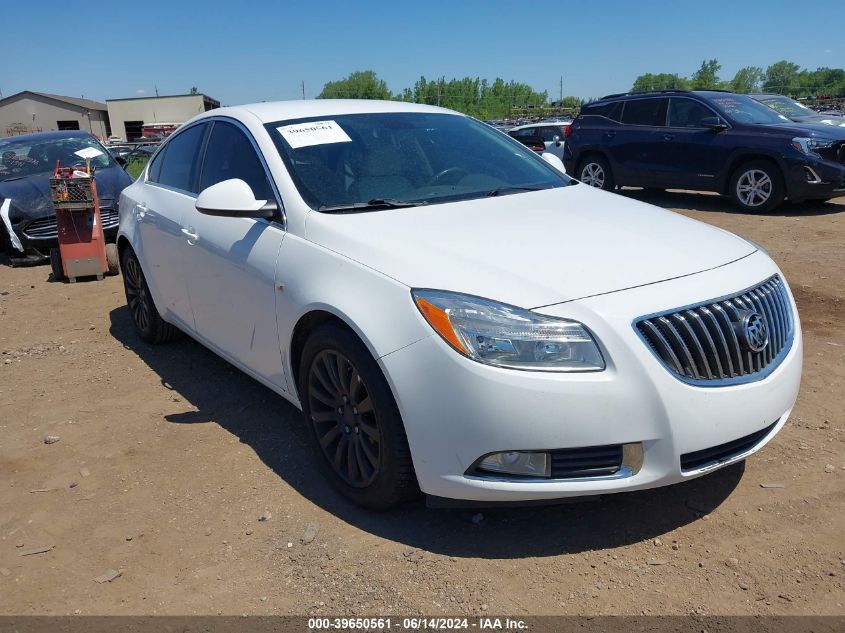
[(505, 190), (375, 203), (12, 178)]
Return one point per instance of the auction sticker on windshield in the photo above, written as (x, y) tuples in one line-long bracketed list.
[(313, 133)]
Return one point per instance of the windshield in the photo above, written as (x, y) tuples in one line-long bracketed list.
[(361, 161), (23, 158), (746, 110), (787, 107)]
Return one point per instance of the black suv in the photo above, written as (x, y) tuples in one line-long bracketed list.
[(706, 141)]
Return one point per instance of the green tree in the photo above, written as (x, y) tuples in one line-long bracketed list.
[(660, 81), (361, 84), (194, 90), (782, 77), (747, 80), (707, 76)]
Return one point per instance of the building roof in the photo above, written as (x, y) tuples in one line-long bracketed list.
[(87, 104), (195, 94)]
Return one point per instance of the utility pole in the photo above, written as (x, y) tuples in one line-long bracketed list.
[(561, 89), (303, 89), (156, 87)]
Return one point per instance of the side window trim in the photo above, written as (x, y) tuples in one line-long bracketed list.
[(240, 126), (163, 148), (701, 103)]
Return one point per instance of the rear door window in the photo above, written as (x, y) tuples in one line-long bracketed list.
[(524, 132), (644, 112), (180, 162)]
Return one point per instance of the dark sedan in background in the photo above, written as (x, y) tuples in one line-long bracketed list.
[(27, 219)]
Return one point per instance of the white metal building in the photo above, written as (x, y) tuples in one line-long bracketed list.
[(146, 116)]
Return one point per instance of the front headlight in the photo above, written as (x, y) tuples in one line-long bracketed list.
[(506, 336), (811, 145)]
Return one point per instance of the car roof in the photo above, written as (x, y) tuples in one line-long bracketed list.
[(45, 136), (269, 112)]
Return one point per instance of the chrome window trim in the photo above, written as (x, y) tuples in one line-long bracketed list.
[(256, 149)]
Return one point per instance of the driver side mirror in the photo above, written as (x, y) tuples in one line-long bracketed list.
[(713, 123), (556, 139), (120, 160), (234, 198)]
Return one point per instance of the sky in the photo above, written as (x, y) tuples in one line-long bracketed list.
[(242, 52)]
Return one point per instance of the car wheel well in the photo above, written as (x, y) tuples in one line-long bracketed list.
[(741, 160), (122, 245), (307, 324), (586, 156)]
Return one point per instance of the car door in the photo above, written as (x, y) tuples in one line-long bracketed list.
[(169, 193), (230, 263), (692, 155), (634, 146), (553, 139)]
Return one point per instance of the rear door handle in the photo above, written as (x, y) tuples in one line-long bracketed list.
[(609, 134), (189, 233), (668, 137)]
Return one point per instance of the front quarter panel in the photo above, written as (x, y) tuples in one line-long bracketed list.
[(378, 309)]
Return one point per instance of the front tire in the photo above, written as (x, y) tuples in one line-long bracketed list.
[(357, 431), (56, 264), (595, 172), (757, 186), (151, 327)]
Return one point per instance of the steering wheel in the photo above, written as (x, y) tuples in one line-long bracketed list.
[(451, 171)]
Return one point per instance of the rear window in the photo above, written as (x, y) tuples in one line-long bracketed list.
[(611, 110), (644, 112)]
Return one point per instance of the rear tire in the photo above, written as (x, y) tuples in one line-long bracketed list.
[(151, 327), (112, 259), (595, 171), (56, 264), (358, 436), (757, 186)]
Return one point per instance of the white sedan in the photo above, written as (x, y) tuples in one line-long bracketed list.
[(451, 312)]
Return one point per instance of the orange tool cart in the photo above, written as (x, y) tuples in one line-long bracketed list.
[(82, 251)]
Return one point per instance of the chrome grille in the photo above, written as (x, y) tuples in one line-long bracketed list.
[(45, 228), (704, 344)]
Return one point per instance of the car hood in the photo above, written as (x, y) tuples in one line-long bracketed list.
[(30, 196), (529, 249), (811, 129)]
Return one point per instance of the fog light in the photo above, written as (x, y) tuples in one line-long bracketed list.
[(517, 463)]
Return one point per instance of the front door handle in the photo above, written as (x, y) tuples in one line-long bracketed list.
[(668, 137), (190, 234), (609, 134)]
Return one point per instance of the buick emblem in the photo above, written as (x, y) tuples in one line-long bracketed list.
[(755, 333)]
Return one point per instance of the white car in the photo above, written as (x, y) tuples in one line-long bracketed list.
[(553, 134), (451, 312)]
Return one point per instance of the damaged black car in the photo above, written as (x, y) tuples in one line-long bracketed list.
[(28, 227)]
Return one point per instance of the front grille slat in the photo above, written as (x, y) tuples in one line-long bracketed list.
[(723, 452), (706, 344), (590, 461), (46, 228)]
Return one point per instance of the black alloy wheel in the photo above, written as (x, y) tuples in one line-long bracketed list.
[(137, 296), (151, 327), (344, 419)]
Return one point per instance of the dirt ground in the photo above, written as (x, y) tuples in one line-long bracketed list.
[(167, 458)]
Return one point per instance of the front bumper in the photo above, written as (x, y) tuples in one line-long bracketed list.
[(38, 235), (456, 410), (811, 178)]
